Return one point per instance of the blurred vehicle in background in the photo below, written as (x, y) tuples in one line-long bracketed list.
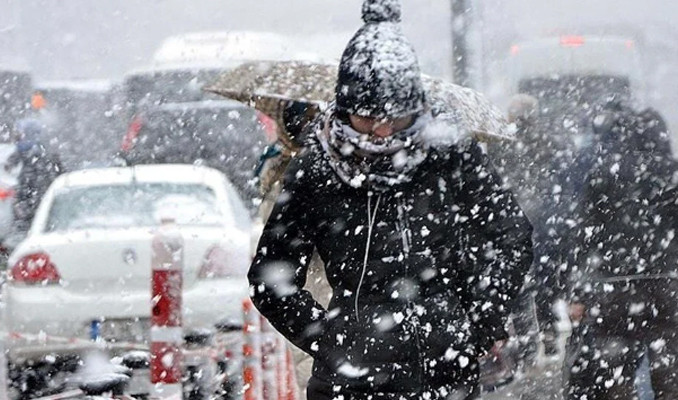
[(171, 119), (572, 77), (82, 124), (149, 87), (233, 48), (580, 55), (225, 135), (183, 64), (87, 256)]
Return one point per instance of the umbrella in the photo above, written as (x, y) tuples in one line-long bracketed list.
[(268, 85), (469, 109), (298, 80)]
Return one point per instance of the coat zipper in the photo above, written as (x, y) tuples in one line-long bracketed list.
[(404, 227), (371, 217), (417, 339), (406, 235)]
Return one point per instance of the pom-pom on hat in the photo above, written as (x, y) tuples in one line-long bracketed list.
[(382, 11), (379, 74)]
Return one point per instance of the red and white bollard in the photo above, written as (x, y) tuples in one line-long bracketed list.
[(291, 376), (251, 349), (166, 321), (281, 368), (269, 360)]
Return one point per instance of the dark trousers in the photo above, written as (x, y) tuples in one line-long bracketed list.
[(605, 351)]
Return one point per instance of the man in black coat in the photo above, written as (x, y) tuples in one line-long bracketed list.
[(422, 247), (623, 270)]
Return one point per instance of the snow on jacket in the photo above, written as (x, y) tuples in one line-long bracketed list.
[(627, 218), (423, 274)]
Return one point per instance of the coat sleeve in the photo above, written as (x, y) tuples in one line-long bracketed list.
[(499, 249), (278, 273), (596, 209)]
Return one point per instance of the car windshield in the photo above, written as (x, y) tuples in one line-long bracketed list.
[(138, 205)]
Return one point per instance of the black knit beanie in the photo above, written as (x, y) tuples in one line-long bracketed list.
[(379, 75)]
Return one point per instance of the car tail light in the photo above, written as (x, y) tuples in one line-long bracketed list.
[(216, 264), (269, 125), (572, 41), (515, 49), (132, 134), (35, 268)]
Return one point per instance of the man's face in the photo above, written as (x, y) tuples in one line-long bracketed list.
[(381, 128)]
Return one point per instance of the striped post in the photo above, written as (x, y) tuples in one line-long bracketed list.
[(291, 383), (281, 367), (166, 321), (251, 352), (4, 381), (268, 360)]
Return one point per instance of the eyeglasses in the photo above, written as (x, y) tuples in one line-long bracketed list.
[(380, 127)]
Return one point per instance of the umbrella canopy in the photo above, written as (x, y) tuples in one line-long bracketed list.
[(268, 85), (297, 80), (468, 108)]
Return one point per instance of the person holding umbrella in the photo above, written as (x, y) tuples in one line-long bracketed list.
[(422, 247)]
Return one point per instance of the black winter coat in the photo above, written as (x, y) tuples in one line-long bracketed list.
[(422, 274), (628, 214)]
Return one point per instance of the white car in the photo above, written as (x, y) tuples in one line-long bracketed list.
[(84, 270)]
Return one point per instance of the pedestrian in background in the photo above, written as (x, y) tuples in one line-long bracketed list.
[(422, 247), (292, 121), (623, 272), (39, 168), (526, 166)]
